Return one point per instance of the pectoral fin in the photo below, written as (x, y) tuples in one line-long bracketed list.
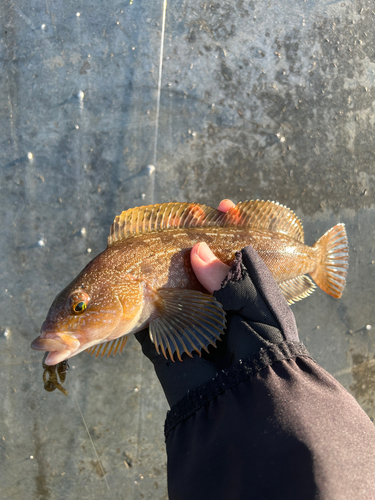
[(188, 321)]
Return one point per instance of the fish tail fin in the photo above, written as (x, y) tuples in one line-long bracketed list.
[(330, 275)]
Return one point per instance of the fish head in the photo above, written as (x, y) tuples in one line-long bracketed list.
[(82, 315)]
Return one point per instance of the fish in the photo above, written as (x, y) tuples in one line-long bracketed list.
[(144, 277)]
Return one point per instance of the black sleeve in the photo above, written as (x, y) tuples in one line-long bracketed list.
[(278, 427), (274, 425)]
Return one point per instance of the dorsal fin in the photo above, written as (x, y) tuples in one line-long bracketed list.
[(266, 215), (164, 216)]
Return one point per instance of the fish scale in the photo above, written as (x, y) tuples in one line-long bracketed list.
[(286, 258)]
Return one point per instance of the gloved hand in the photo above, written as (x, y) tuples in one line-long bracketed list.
[(258, 317)]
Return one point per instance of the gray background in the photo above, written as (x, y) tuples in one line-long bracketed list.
[(271, 100)]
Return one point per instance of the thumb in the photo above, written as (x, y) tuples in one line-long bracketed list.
[(209, 270)]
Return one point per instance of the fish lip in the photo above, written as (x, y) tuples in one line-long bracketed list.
[(56, 341), (56, 357), (47, 344)]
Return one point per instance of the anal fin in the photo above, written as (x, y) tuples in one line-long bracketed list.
[(188, 321), (114, 345), (297, 289)]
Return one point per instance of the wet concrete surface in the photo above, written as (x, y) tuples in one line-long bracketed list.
[(272, 101)]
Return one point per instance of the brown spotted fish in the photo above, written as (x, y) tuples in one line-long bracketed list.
[(144, 277)]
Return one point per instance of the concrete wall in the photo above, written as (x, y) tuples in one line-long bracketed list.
[(271, 100)]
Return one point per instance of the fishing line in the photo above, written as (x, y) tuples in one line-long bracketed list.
[(152, 172), (92, 442), (20, 363), (135, 482)]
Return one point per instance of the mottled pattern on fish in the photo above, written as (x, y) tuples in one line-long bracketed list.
[(163, 258), (144, 277)]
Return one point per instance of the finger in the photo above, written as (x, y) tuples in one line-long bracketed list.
[(225, 205), (209, 270)]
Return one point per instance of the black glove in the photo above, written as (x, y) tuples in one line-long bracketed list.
[(258, 317)]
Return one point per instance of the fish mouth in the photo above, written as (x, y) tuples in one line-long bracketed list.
[(60, 346)]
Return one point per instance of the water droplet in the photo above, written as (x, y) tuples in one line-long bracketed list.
[(150, 169), (143, 196), (83, 231), (136, 389), (81, 95), (30, 156), (43, 26), (78, 14), (76, 126), (31, 457), (5, 332), (41, 243), (89, 250)]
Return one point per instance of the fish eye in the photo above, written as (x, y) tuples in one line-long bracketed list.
[(79, 302), (79, 307)]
